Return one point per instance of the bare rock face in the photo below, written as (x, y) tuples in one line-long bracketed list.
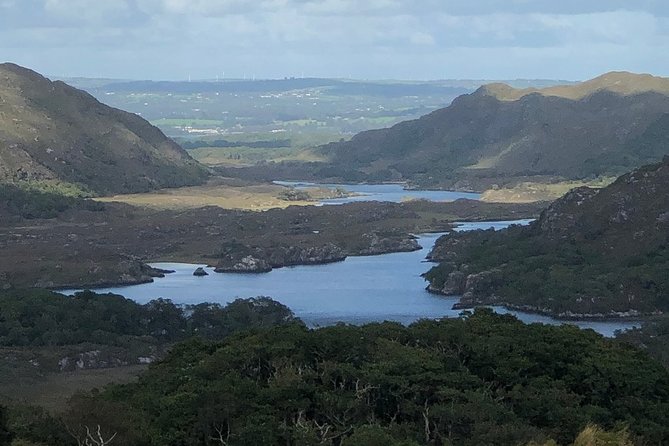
[(562, 216), (480, 289), (312, 255), (448, 248), (456, 284)]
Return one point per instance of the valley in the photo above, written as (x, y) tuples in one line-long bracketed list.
[(317, 243)]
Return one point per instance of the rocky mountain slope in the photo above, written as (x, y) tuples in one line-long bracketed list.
[(608, 125), (51, 131), (594, 252)]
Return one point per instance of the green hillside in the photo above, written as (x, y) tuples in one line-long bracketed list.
[(498, 134), (51, 131), (596, 253)]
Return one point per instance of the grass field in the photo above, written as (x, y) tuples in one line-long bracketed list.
[(53, 390), (528, 192), (218, 192), (225, 193), (244, 156)]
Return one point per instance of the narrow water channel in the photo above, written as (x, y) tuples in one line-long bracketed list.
[(357, 290)]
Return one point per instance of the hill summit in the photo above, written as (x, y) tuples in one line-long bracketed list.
[(51, 131), (592, 253), (621, 82), (497, 135)]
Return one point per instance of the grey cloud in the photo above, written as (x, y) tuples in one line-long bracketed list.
[(374, 38)]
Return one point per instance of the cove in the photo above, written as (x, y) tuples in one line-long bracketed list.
[(356, 291), (394, 192)]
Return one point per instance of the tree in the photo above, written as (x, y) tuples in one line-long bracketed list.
[(5, 435)]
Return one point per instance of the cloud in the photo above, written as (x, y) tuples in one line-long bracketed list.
[(374, 38)]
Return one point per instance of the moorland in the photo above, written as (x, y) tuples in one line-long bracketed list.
[(91, 195)]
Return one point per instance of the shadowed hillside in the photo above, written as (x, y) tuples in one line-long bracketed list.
[(51, 131), (498, 134), (592, 253)]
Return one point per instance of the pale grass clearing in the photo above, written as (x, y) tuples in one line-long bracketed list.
[(529, 192), (55, 389), (249, 197)]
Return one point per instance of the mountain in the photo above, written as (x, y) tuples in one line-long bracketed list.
[(51, 131), (597, 253), (620, 82), (605, 126)]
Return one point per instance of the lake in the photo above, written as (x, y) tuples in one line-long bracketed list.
[(381, 192), (356, 291)]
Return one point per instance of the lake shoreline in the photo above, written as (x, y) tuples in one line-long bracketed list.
[(376, 288), (585, 317)]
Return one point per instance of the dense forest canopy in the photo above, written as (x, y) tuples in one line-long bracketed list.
[(483, 379), (45, 318)]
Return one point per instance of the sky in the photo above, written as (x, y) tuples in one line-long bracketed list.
[(361, 39)]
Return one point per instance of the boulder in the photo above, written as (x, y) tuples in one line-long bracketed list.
[(200, 272)]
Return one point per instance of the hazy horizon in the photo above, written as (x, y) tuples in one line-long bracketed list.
[(351, 79), (377, 39)]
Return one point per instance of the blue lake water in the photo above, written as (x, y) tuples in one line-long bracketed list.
[(382, 192), (357, 290)]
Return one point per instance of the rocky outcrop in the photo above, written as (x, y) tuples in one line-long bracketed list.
[(562, 216), (448, 248), (475, 289), (130, 271), (245, 264), (311, 255), (200, 272), (100, 357), (379, 244), (262, 260), (480, 289), (591, 254), (455, 284), (239, 258)]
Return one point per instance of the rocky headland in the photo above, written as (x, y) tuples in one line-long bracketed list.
[(592, 254)]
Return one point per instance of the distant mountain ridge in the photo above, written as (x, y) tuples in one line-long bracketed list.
[(51, 131), (605, 126), (620, 82)]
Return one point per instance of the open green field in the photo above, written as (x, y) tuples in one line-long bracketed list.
[(185, 122), (291, 107)]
